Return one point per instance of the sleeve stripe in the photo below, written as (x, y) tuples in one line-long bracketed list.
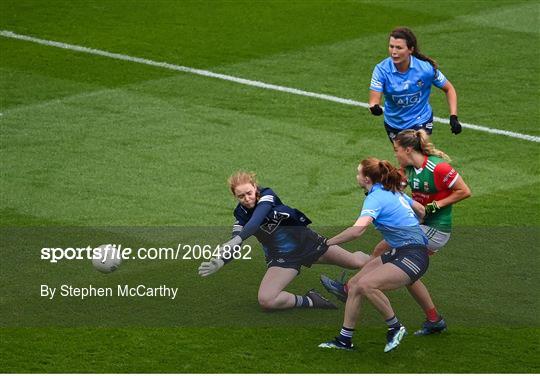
[(453, 181), (367, 212), (376, 84), (268, 198), (440, 76)]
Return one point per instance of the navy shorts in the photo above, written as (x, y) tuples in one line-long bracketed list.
[(312, 248), (393, 132), (412, 259)]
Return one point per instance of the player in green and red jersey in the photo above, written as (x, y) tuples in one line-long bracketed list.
[(436, 185), (433, 181)]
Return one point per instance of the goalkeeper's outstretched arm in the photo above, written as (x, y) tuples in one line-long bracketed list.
[(240, 233)]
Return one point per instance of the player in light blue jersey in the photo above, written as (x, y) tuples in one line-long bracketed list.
[(396, 216), (405, 78)]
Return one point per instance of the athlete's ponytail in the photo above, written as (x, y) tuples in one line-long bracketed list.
[(383, 172), (409, 37), (420, 142), (242, 177)]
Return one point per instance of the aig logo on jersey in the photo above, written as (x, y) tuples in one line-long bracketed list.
[(407, 100)]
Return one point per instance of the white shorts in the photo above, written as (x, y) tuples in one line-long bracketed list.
[(436, 239)]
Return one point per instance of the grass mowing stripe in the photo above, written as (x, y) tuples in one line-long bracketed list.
[(224, 350), (243, 81)]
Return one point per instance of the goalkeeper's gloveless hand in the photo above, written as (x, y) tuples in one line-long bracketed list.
[(455, 125), (376, 110), (210, 267), (432, 207)]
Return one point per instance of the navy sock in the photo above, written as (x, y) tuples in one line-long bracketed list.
[(303, 301), (345, 335), (393, 322)]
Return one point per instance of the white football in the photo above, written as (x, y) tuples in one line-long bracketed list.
[(106, 258)]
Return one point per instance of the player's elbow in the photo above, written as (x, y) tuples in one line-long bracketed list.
[(356, 231), (466, 193)]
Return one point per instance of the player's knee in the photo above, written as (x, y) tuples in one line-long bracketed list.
[(361, 259), (353, 280), (353, 288), (363, 287), (267, 302)]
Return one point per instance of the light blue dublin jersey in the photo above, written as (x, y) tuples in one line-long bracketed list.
[(406, 95), (393, 217)]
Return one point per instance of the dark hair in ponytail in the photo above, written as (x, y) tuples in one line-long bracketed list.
[(383, 172), (409, 37)]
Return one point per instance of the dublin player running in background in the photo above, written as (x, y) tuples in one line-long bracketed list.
[(436, 185), (405, 78), (287, 241), (394, 214)]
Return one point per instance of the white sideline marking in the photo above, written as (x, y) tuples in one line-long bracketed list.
[(243, 81)]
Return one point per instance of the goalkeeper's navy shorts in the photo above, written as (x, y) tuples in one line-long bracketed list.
[(312, 248), (412, 259)]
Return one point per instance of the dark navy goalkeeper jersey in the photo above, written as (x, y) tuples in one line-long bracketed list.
[(278, 227)]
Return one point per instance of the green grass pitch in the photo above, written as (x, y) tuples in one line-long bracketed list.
[(105, 150)]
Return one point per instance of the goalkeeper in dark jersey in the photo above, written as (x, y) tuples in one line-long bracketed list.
[(287, 241)]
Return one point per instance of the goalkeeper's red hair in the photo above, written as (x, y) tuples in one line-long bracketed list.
[(240, 178)]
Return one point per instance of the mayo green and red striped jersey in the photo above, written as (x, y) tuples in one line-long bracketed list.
[(432, 182)]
